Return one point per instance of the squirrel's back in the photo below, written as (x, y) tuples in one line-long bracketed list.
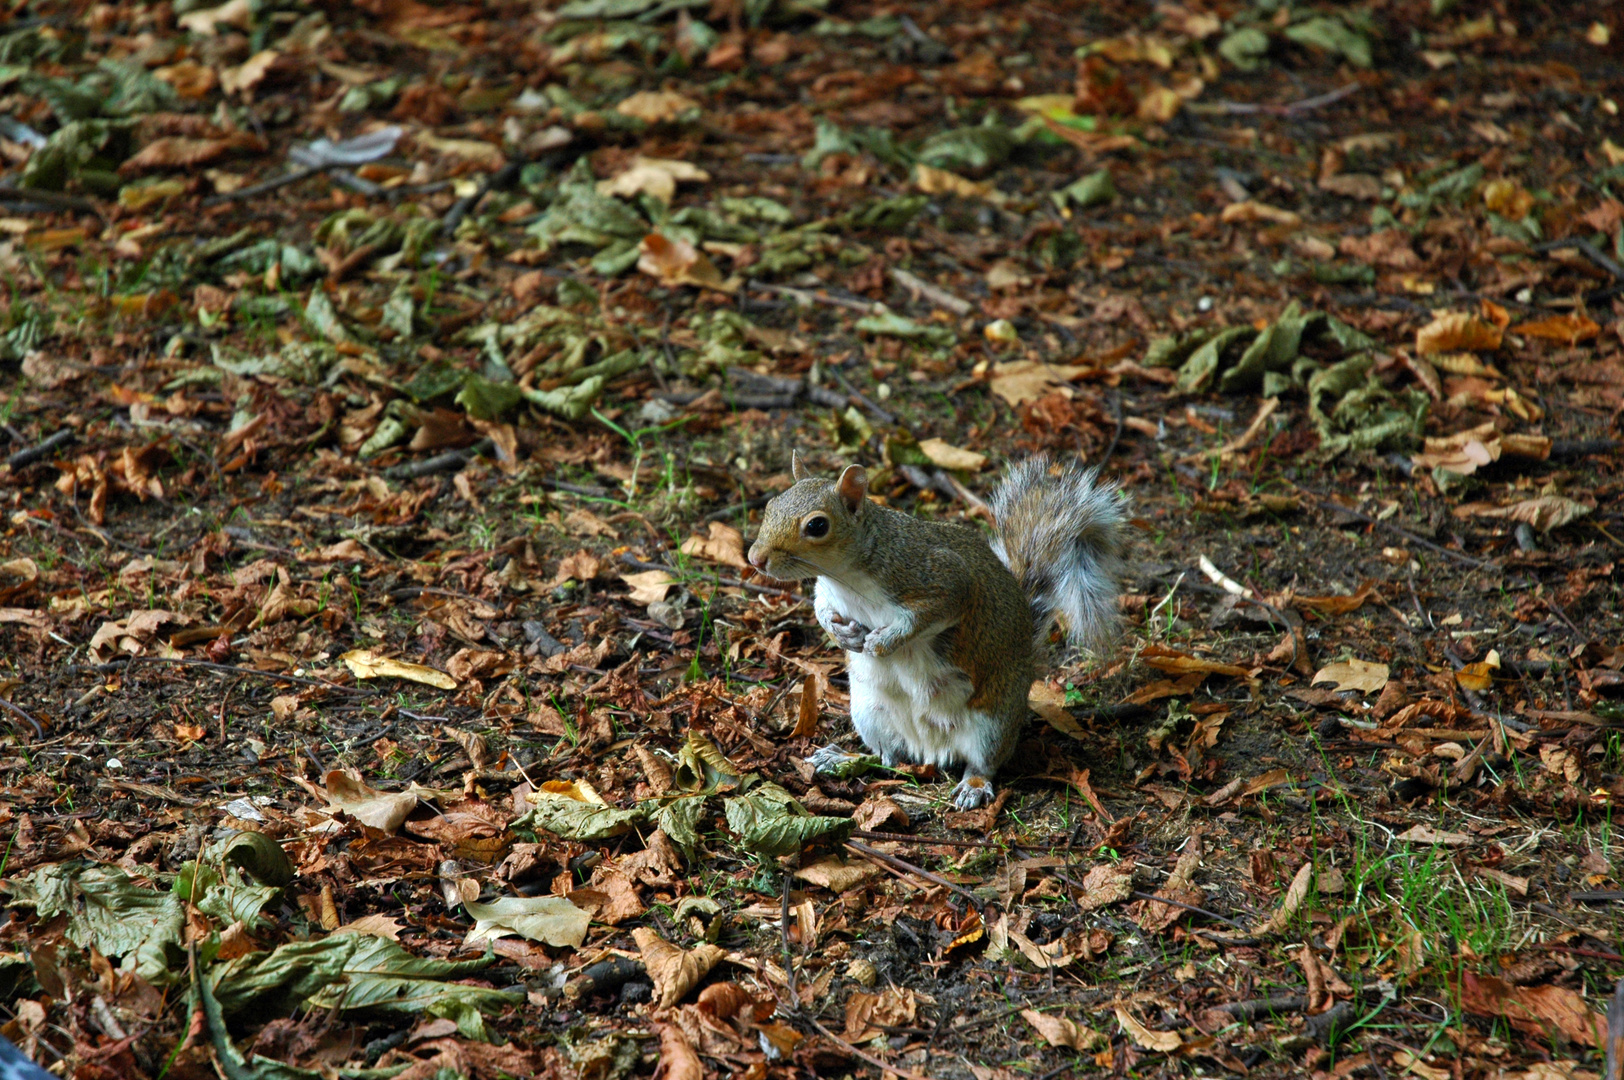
[(1063, 535)]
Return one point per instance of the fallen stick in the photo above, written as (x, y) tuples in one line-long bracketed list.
[(24, 458)]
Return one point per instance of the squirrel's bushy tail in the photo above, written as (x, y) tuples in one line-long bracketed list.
[(1062, 534)]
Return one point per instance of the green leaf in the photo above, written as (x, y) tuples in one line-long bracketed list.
[(1245, 48), (107, 910), (1332, 36), (970, 150), (381, 976), (483, 399), (576, 820), (770, 822), (1095, 189), (1202, 366), (890, 324)]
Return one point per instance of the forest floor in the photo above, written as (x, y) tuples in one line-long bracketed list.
[(392, 389)]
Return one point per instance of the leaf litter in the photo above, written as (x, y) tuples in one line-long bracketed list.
[(393, 390)]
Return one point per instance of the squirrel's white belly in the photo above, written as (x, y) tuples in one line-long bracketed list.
[(911, 703)]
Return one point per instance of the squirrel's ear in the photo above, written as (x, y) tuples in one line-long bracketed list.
[(854, 487), (796, 469)]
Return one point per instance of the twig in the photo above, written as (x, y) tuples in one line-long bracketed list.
[(1187, 907), (1116, 436), (23, 458), (1335, 508), (291, 177), (503, 177), (807, 297), (934, 293), (230, 669), (1588, 250), (55, 199), (1248, 1011), (789, 956), (450, 461), (949, 841), (895, 864), (1245, 108), (39, 732), (884, 416), (878, 1063), (747, 505)]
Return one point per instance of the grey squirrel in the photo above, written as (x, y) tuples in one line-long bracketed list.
[(941, 628)]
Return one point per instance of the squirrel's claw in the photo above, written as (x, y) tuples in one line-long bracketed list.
[(849, 634), (972, 792), (831, 760)]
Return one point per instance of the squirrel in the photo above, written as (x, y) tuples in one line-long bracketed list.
[(941, 628)]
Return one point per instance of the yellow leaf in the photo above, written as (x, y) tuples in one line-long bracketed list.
[(948, 456), (369, 664)]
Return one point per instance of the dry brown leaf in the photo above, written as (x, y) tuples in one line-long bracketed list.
[(1172, 660), (657, 177), (1296, 893), (674, 971), (181, 153), (725, 544), (1544, 513), (648, 586), (376, 925), (1454, 331), (1049, 702), (677, 262), (678, 1058), (1567, 329), (1253, 211), (1165, 1042), (1535, 1010), (483, 153), (893, 1007), (1426, 834), (1104, 885), (1059, 1031), (250, 73), (1361, 675), (207, 22), (382, 810), (941, 182), (1180, 886), (1020, 381), (656, 106), (806, 720), (838, 875)]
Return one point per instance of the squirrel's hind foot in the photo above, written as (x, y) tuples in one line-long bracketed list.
[(973, 791)]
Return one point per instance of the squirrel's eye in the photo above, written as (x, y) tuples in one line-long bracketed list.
[(816, 527)]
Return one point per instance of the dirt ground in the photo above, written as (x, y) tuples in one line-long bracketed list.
[(385, 691)]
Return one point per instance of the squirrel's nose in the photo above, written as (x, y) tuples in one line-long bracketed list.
[(757, 559)]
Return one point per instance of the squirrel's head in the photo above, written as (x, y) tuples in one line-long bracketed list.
[(807, 531)]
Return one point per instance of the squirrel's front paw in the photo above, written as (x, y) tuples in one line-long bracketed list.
[(973, 791), (849, 634), (831, 760)]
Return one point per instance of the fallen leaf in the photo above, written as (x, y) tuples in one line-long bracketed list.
[(1361, 675), (649, 586), (656, 106), (1534, 1010), (1296, 893), (948, 456), (370, 664), (941, 182), (1567, 329), (1020, 381), (678, 1058), (250, 73), (677, 262), (1104, 885), (1453, 331), (207, 22), (381, 810), (1253, 211), (1426, 834), (657, 177), (552, 920), (725, 545), (1161, 1041), (1059, 1031), (1544, 513), (836, 874), (675, 971)]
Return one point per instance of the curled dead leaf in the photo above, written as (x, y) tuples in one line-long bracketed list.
[(675, 971), (1455, 331)]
